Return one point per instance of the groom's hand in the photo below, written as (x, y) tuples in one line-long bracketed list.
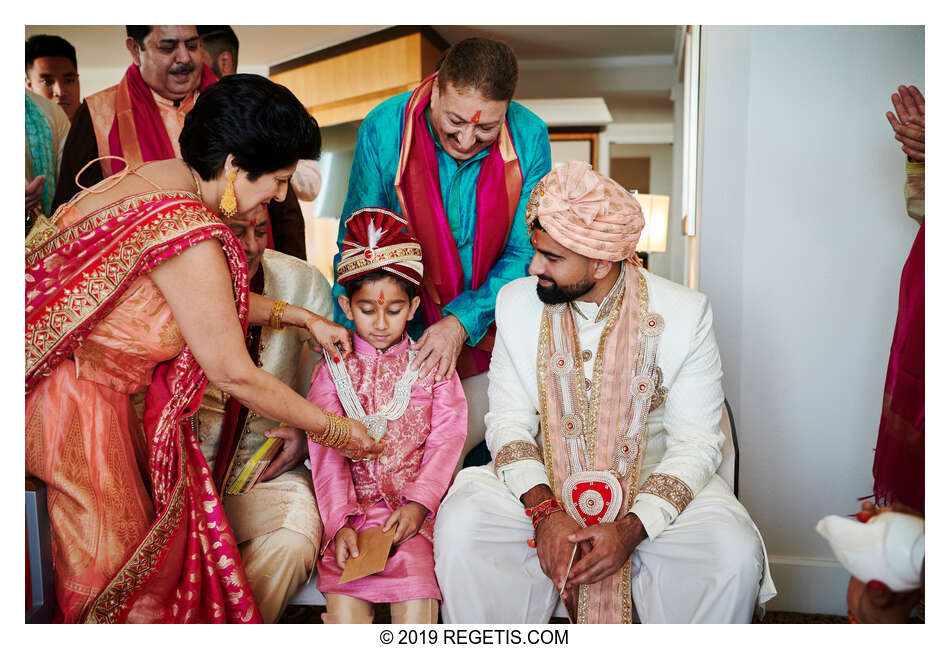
[(607, 546)]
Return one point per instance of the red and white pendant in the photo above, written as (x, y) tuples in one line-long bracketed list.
[(594, 496)]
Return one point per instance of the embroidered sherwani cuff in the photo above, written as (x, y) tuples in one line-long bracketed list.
[(515, 452), (669, 488), (520, 466), (661, 499)]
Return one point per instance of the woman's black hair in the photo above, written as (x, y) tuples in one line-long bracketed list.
[(262, 123), (354, 285)]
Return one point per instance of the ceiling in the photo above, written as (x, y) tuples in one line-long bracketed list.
[(262, 45), (566, 41), (608, 69)]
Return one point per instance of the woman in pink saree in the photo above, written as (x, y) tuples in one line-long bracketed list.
[(144, 286)]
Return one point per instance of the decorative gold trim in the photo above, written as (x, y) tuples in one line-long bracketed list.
[(515, 452), (142, 564), (544, 337), (42, 231), (92, 221), (107, 279), (669, 488), (381, 257)]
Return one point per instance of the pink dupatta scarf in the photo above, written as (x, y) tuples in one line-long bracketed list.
[(497, 192), (608, 412), (187, 568)]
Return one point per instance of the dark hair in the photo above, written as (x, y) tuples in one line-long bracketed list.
[(42, 45), (262, 123), (488, 66), (219, 38), (354, 284), (138, 33)]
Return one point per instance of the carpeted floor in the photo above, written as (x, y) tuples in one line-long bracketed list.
[(311, 615)]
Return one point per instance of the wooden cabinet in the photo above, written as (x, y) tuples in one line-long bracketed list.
[(343, 83)]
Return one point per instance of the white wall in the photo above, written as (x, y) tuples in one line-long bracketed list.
[(802, 243)]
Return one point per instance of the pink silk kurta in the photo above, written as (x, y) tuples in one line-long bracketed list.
[(422, 449)]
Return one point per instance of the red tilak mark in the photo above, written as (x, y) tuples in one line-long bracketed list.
[(336, 359), (477, 116), (381, 299)]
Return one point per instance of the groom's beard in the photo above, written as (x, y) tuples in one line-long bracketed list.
[(556, 294)]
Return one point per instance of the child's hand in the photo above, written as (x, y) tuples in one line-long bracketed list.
[(345, 545), (407, 519)]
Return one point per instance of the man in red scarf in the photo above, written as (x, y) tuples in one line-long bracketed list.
[(457, 158), (140, 118)]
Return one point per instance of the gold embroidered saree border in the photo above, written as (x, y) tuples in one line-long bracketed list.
[(74, 307), (139, 568), (92, 221)]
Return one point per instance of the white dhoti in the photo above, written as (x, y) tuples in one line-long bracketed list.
[(709, 565)]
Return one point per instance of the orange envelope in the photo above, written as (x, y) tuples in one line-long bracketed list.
[(374, 545)]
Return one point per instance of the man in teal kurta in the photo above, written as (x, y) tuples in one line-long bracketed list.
[(468, 123)]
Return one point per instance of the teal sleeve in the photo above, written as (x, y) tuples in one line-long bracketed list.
[(475, 309)]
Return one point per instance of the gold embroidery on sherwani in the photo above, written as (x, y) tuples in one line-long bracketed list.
[(669, 488), (515, 452)]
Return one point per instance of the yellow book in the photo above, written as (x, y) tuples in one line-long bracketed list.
[(248, 475)]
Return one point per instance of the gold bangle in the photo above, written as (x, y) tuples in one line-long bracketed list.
[(276, 314), (337, 432)]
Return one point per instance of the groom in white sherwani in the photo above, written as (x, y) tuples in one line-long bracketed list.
[(604, 405)]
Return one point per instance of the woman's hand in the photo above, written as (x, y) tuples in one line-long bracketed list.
[(360, 446), (345, 545), (334, 338), (407, 520)]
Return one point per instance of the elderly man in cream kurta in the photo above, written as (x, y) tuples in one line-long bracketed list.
[(276, 524), (604, 401)]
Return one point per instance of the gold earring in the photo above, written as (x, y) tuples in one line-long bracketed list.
[(228, 204)]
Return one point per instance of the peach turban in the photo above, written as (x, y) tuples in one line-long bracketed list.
[(587, 212)]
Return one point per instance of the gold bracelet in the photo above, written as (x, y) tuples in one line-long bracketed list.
[(331, 434), (337, 433), (276, 314)]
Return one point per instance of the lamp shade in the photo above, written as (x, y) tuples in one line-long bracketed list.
[(656, 213)]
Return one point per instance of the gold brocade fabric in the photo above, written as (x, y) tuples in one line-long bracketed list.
[(84, 440)]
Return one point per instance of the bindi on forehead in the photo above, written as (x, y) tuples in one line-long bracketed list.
[(382, 298), (476, 117)]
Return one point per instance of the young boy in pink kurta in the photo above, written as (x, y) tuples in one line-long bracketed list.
[(381, 269)]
